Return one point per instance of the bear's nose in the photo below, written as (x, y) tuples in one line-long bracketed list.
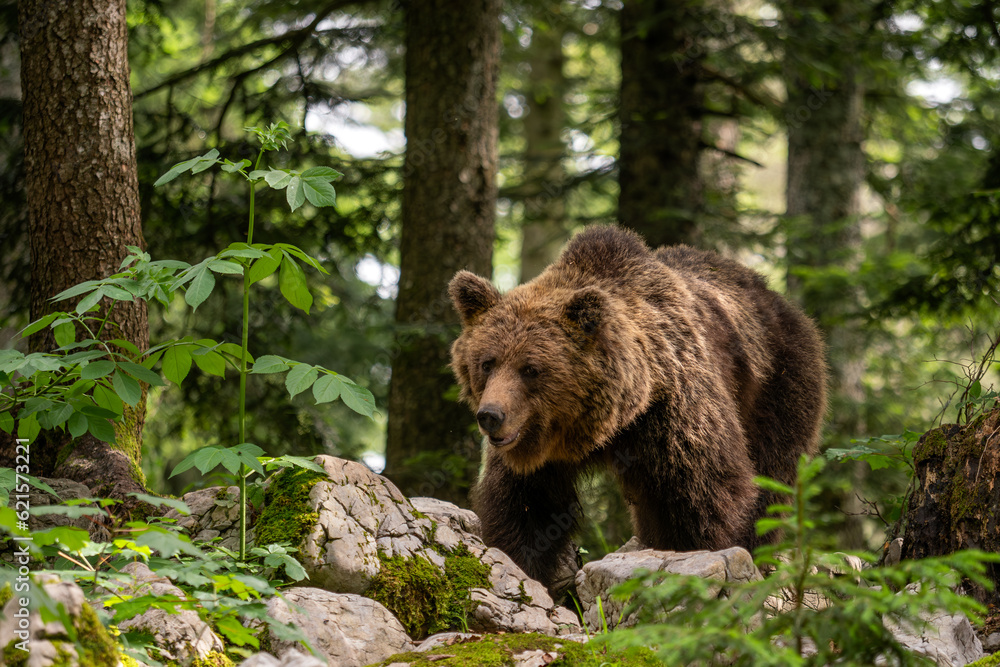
[(490, 418)]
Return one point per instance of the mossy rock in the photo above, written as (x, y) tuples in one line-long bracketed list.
[(423, 599), (287, 514), (96, 648), (499, 651), (988, 661)]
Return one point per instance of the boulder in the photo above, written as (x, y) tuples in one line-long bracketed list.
[(215, 512), (597, 577), (348, 630)]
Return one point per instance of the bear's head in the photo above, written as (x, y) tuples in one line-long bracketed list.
[(533, 366)]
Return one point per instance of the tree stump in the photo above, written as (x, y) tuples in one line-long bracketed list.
[(956, 498)]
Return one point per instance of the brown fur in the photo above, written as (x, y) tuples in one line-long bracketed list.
[(678, 369)]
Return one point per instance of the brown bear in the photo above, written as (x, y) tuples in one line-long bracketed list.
[(678, 369)]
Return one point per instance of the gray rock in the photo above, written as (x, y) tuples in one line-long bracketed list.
[(448, 514), (948, 639), (183, 636), (597, 577), (215, 512), (362, 515), (445, 639), (49, 643), (348, 630), (991, 643), (290, 658)]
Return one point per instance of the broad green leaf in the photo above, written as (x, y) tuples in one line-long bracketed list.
[(211, 362), (292, 281), (266, 265), (28, 428), (269, 363), (97, 369), (319, 192), (38, 325), (295, 251), (976, 389), (107, 399), (126, 345), (88, 302), (300, 378), (141, 373), (327, 388), (58, 416), (101, 429), (295, 193), (325, 173), (200, 288), (247, 453), (64, 334), (225, 266), (85, 355), (127, 388), (176, 363), (194, 165), (235, 351), (358, 399), (241, 249), (278, 178), (77, 424), (237, 633), (6, 422), (231, 167), (35, 404), (77, 290), (116, 293)]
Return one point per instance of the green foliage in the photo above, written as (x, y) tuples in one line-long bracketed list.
[(287, 516), (690, 622), (423, 600)]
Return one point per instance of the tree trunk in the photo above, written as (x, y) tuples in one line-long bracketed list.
[(826, 170), (544, 231), (661, 121), (956, 497), (83, 193), (449, 198)]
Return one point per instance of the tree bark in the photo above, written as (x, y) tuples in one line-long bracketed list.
[(826, 170), (544, 231), (956, 496), (449, 199), (662, 97), (82, 190)]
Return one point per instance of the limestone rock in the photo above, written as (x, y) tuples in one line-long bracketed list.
[(349, 630), (363, 517), (948, 639), (48, 643), (448, 514), (597, 577), (183, 636), (215, 512)]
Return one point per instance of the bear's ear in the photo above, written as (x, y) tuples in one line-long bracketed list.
[(585, 310), (472, 295)]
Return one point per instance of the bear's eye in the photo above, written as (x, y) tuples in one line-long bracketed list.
[(488, 366), (529, 372)]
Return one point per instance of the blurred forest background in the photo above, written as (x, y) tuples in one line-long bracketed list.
[(847, 150)]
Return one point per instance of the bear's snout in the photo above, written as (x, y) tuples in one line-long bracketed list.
[(490, 418)]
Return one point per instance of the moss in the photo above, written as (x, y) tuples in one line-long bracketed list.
[(499, 651), (13, 656), (129, 661), (522, 596), (96, 648), (6, 593), (987, 661), (214, 659), (287, 516), (424, 601), (933, 443)]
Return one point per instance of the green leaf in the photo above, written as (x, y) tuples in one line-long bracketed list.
[(29, 428), (325, 173), (295, 251), (240, 249), (232, 167), (38, 325), (295, 193), (97, 369), (200, 288), (127, 388), (278, 178), (77, 424), (327, 388), (265, 266), (237, 633), (211, 362), (6, 422), (269, 363), (107, 399), (116, 293), (235, 351), (101, 429), (88, 302), (58, 416), (194, 165), (126, 345), (292, 281), (225, 266), (141, 373), (319, 192), (976, 389), (77, 290), (65, 334), (300, 378), (358, 399), (176, 363)]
